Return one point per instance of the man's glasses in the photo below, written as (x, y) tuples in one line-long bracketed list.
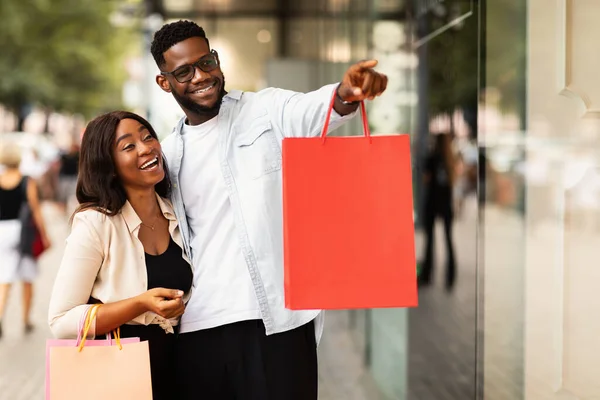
[(186, 73)]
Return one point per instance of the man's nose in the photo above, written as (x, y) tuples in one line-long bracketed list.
[(199, 75)]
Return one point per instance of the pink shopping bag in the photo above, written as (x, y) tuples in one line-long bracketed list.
[(97, 369)]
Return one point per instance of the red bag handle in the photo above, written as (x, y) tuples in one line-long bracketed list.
[(363, 113)]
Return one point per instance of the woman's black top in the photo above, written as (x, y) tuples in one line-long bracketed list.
[(11, 201), (168, 270), (438, 197)]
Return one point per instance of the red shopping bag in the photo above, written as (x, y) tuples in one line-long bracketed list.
[(348, 221)]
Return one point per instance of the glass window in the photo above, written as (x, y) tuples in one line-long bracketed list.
[(502, 241), (339, 40), (385, 6), (244, 45), (442, 80), (235, 5)]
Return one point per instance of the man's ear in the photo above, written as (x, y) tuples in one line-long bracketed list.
[(162, 81)]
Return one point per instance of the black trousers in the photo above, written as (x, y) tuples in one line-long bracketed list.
[(240, 362), (439, 207)]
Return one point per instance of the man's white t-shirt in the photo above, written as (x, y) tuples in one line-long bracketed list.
[(222, 291)]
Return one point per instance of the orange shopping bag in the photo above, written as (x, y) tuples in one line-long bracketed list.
[(348, 221)]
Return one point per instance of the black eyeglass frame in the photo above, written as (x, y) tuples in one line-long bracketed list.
[(213, 54)]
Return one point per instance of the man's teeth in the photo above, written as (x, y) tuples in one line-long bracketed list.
[(205, 89), (146, 165)]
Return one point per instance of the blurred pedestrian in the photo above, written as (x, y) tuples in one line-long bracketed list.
[(16, 193), (125, 247), (237, 338), (439, 178), (67, 176)]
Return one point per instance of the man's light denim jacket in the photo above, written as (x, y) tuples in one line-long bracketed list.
[(251, 128)]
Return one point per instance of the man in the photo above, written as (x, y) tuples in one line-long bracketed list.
[(237, 340)]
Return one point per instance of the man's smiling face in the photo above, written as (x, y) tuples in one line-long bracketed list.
[(203, 93)]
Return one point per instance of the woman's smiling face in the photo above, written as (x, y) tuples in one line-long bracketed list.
[(137, 156)]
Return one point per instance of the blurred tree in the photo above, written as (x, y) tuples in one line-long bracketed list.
[(506, 54), (454, 57), (62, 55)]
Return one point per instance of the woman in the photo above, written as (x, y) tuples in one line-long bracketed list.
[(125, 248), (16, 192), (439, 177)]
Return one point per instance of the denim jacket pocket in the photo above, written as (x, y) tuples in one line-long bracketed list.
[(258, 149)]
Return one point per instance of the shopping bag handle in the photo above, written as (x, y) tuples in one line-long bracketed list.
[(89, 319), (363, 113), (82, 322)]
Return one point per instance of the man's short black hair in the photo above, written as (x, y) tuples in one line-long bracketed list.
[(171, 34)]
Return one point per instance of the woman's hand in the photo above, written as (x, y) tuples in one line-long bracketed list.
[(168, 303)]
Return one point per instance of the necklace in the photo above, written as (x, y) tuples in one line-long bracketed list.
[(151, 226)]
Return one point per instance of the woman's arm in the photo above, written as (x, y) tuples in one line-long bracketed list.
[(34, 204), (82, 259), (167, 303), (81, 262)]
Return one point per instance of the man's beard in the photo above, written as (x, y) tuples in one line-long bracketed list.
[(199, 109)]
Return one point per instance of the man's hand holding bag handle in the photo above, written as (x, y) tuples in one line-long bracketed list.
[(348, 214)]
